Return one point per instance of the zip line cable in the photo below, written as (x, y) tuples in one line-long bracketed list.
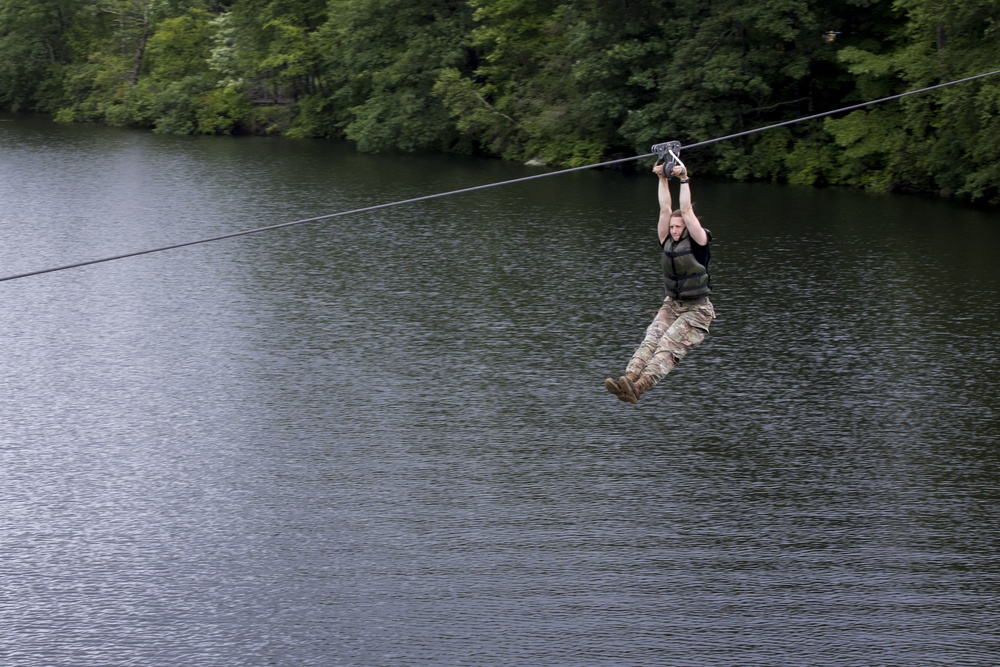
[(841, 110), (414, 200)]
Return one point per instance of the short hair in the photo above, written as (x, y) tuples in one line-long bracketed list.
[(676, 214)]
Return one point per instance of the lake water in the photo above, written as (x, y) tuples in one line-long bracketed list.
[(383, 439)]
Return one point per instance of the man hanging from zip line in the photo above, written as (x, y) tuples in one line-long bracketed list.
[(682, 322)]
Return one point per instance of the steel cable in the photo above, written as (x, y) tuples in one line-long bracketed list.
[(413, 200)]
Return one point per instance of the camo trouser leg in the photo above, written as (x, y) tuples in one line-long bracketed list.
[(679, 327)]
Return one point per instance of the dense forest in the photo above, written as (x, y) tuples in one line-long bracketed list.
[(564, 82)]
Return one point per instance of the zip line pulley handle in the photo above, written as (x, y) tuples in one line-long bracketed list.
[(664, 149), (671, 148)]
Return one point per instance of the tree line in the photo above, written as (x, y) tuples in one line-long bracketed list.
[(564, 82)]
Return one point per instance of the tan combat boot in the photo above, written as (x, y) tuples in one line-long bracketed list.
[(615, 387), (620, 387), (633, 389)]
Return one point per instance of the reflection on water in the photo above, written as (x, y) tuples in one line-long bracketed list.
[(384, 439)]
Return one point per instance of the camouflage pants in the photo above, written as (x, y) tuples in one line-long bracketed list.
[(679, 327)]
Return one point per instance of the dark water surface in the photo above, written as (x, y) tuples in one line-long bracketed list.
[(383, 439)]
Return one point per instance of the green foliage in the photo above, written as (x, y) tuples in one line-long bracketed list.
[(228, 59), (179, 88), (36, 44), (382, 59), (99, 91), (222, 111), (555, 80), (565, 82), (943, 142), (273, 119), (181, 46), (267, 49), (982, 181), (313, 117), (167, 97)]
